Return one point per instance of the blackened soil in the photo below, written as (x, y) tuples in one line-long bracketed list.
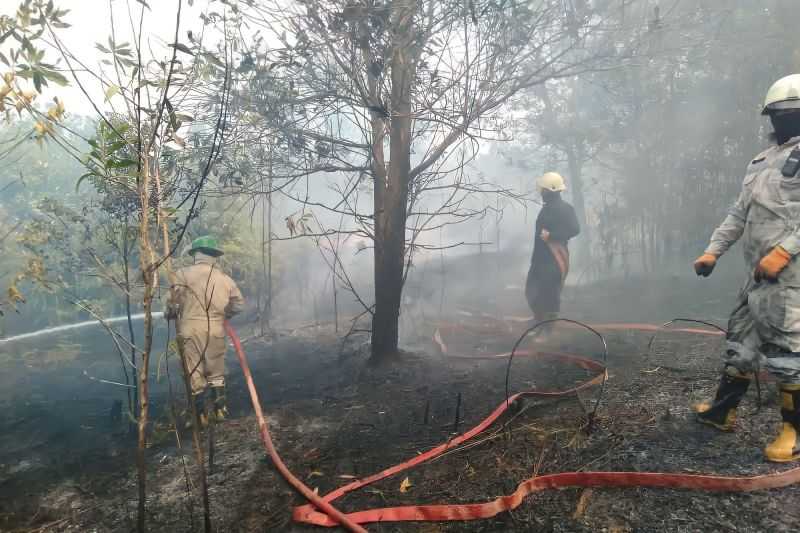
[(335, 417)]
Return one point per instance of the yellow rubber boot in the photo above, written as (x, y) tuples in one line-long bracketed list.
[(721, 413), (786, 448)]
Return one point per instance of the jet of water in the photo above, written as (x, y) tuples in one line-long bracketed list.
[(77, 325)]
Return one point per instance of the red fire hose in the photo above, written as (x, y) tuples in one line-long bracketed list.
[(321, 513), (336, 518)]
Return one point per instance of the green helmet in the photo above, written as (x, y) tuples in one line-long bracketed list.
[(207, 245)]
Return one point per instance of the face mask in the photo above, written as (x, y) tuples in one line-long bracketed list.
[(549, 196), (200, 257), (786, 125)]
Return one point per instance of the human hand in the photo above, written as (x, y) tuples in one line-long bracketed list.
[(704, 265), (772, 264)]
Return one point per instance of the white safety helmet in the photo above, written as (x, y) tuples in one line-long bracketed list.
[(551, 181), (784, 94)]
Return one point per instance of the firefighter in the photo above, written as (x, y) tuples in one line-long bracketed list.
[(555, 226), (201, 298), (764, 328)]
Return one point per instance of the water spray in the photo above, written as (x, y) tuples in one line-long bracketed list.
[(77, 325)]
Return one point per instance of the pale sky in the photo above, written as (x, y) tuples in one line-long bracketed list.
[(91, 23)]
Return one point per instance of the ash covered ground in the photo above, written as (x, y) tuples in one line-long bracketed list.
[(334, 417)]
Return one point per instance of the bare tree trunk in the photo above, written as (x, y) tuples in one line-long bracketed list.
[(391, 232), (263, 291), (133, 405), (335, 296), (148, 266), (269, 250), (261, 288), (161, 223), (265, 311), (579, 202)]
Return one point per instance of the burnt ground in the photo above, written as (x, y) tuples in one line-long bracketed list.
[(334, 417)]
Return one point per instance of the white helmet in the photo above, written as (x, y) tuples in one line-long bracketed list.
[(784, 94), (551, 181)]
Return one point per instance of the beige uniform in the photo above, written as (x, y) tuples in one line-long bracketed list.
[(203, 297)]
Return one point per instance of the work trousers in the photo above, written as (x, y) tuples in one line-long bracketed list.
[(203, 348), (756, 339)]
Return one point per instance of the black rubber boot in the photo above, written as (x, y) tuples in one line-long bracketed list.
[(220, 404), (721, 413), (200, 406), (786, 447), (544, 332)]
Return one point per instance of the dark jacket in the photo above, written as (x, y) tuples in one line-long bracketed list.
[(543, 287)]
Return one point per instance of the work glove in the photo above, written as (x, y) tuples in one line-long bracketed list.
[(772, 264), (704, 265)]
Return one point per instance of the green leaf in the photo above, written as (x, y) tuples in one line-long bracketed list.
[(173, 121), (120, 163), (80, 180), (125, 62), (211, 58), (111, 91), (6, 35), (102, 48), (182, 48), (56, 77), (114, 147), (25, 72)]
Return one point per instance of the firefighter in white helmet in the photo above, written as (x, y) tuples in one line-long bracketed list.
[(764, 327), (555, 226)]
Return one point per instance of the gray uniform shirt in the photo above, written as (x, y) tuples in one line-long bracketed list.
[(767, 214)]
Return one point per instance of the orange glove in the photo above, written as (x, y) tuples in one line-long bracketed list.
[(704, 265), (772, 264)]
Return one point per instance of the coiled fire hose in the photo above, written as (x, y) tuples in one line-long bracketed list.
[(321, 513)]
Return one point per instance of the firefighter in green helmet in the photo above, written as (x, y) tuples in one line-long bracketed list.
[(201, 299)]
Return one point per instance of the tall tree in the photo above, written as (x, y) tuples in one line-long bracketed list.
[(401, 93)]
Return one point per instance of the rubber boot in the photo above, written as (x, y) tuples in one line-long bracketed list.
[(545, 331), (786, 447), (200, 406), (220, 404), (721, 413)]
